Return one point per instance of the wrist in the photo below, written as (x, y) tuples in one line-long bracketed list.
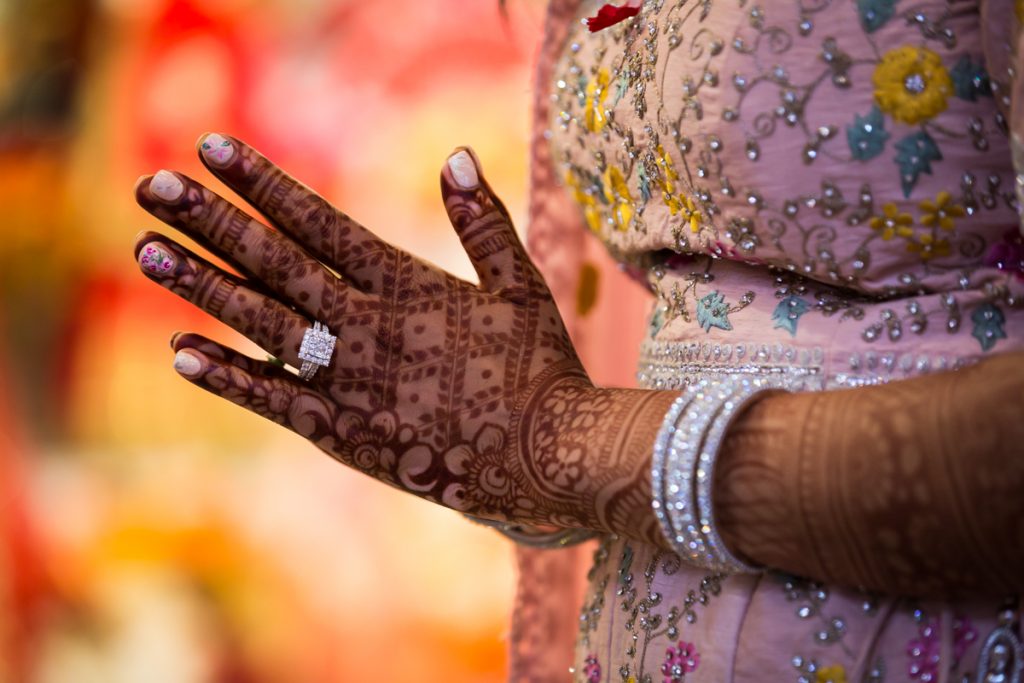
[(589, 451)]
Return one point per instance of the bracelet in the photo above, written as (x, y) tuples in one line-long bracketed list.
[(533, 537), (683, 468)]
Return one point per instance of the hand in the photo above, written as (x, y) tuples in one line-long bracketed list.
[(469, 396)]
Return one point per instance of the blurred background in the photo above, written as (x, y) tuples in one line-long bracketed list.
[(149, 531)]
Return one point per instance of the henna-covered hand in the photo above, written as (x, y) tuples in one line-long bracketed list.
[(469, 396)]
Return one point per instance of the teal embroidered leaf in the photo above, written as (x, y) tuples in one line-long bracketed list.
[(970, 80), (643, 183), (874, 13), (866, 136), (787, 313), (620, 90), (988, 322), (914, 156), (657, 321), (712, 311)]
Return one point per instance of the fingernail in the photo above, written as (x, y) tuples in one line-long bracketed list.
[(174, 339), (463, 170), (155, 258), (217, 149), (187, 364), (166, 186)]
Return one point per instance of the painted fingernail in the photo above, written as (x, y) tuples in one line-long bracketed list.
[(155, 258), (166, 186), (464, 170), (187, 364), (217, 149)]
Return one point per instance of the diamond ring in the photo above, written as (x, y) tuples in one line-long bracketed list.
[(316, 350)]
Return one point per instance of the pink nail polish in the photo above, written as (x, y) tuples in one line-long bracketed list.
[(155, 258), (217, 150), (463, 170), (166, 186)]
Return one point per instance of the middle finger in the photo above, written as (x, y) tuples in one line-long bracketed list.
[(260, 253)]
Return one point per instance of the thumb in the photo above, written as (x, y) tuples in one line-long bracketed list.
[(483, 226)]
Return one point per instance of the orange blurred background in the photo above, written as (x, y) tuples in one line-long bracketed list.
[(149, 531)]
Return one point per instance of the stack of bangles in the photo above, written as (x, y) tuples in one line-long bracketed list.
[(683, 469)]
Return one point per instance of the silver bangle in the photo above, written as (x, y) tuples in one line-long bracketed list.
[(532, 537), (683, 467), (659, 468)]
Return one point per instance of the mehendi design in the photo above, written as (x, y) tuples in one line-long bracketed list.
[(469, 396)]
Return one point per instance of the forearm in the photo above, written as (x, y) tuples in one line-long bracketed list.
[(913, 487)]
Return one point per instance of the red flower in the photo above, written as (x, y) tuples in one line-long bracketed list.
[(609, 15)]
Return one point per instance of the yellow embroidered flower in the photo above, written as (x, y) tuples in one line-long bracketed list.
[(941, 212), (593, 108), (928, 247), (830, 674), (911, 84), (677, 203), (691, 214), (616, 191), (892, 223), (591, 214)]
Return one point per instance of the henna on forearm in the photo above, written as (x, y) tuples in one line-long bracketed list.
[(911, 488), (588, 451)]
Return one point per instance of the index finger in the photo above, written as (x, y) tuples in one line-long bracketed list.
[(329, 234)]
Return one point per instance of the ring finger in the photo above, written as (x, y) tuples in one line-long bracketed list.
[(266, 321), (268, 256)]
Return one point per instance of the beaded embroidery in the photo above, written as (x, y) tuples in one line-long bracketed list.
[(642, 152)]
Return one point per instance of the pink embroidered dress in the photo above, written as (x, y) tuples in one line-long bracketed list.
[(821, 190)]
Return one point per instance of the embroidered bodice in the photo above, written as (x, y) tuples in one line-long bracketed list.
[(838, 157), (817, 189)]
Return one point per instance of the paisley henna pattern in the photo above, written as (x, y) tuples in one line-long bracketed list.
[(910, 488), (469, 396)]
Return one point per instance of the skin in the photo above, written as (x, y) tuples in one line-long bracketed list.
[(470, 396)]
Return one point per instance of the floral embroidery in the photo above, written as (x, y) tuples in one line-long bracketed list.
[(892, 223), (593, 109), (914, 156), (616, 192), (867, 136), (787, 313), (668, 183), (657, 323), (964, 634), (1008, 255), (911, 84), (658, 165), (874, 13), (830, 674), (970, 80), (679, 661), (988, 322), (924, 651), (591, 213), (941, 212), (928, 246), (712, 311), (592, 669)]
